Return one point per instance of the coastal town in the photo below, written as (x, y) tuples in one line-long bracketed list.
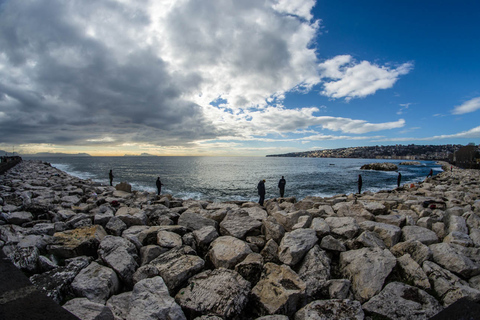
[(460, 155)]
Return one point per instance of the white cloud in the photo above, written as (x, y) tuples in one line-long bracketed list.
[(468, 106), (349, 79), (473, 133)]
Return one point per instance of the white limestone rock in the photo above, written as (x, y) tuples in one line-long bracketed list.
[(295, 244), (227, 251)]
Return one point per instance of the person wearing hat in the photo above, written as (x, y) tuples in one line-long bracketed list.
[(261, 191)]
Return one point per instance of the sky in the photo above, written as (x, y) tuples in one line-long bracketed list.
[(236, 78)]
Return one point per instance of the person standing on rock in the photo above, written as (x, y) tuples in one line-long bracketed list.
[(359, 182), (281, 185), (399, 179), (159, 186), (261, 191), (430, 174), (110, 176)]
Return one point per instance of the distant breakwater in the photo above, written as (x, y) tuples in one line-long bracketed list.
[(405, 253)]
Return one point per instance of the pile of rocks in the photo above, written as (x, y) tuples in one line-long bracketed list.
[(108, 254), (382, 166)]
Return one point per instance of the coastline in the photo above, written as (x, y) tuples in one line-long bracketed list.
[(355, 254)]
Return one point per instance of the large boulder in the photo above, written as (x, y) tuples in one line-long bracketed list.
[(77, 242), (177, 266), (279, 291), (345, 227), (227, 251), (413, 272), (295, 244), (417, 250), (238, 224), (272, 229), (194, 221), (86, 309), (151, 300), (367, 269), (120, 255), (221, 292), (96, 282), (404, 302), (331, 309), (314, 270), (390, 234), (424, 235), (451, 259), (132, 216)]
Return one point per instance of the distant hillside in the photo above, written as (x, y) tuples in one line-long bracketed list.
[(141, 155), (412, 151), (56, 154)]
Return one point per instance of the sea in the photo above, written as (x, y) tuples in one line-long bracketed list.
[(222, 179)]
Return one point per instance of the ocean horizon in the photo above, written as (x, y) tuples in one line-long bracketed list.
[(221, 179)]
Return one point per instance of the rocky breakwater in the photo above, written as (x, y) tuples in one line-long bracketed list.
[(108, 254), (382, 166)]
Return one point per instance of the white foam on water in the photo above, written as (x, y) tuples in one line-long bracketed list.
[(66, 168)]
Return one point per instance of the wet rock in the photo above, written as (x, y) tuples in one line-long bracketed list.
[(403, 301), (367, 269), (150, 300), (219, 292), (279, 290)]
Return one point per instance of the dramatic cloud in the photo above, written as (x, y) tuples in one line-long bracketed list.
[(164, 74), (468, 106), (349, 79)]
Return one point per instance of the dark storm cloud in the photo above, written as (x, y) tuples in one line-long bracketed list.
[(60, 85)]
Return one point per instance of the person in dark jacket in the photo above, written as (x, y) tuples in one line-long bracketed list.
[(399, 179), (281, 185), (359, 183), (110, 176), (159, 186), (261, 191), (430, 174)]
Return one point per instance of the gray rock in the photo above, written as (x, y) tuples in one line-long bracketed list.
[(132, 216), (19, 217), (456, 223), (115, 226), (368, 239), (96, 282), (417, 250), (56, 283), (314, 270), (295, 244), (177, 266), (367, 269), (383, 166), (150, 252), (145, 272), (120, 305), (195, 221), (251, 268), (288, 219), (337, 288), (120, 255), (219, 292), (332, 244), (24, 258), (458, 238), (404, 302), (393, 219), (320, 226), (205, 236), (425, 236), (279, 291), (150, 300), (412, 272), (227, 251), (273, 230), (167, 239), (85, 309), (270, 252), (390, 234), (238, 224), (331, 309), (449, 257), (343, 227)]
